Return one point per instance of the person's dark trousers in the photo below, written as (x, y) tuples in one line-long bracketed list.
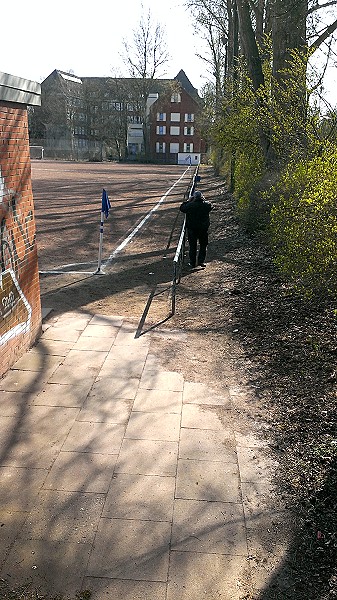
[(193, 238)]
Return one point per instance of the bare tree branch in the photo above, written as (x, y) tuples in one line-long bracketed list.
[(326, 33), (317, 6)]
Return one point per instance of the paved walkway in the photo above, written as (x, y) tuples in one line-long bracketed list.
[(122, 478)]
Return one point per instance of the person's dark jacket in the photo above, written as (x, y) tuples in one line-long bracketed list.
[(197, 213)]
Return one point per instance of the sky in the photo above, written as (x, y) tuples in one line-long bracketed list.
[(87, 38)]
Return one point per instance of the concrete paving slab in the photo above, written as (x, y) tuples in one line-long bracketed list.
[(158, 400), (93, 343), (51, 422), (11, 523), (63, 394), (126, 337), (15, 403), (84, 358), (64, 517), (74, 319), (200, 393), (153, 426), (208, 445), (33, 361), (19, 488), (152, 362), (250, 440), (98, 438), (52, 347), (128, 353), (162, 380), (254, 464), (104, 588), (116, 321), (73, 375), (210, 527), (141, 497), (31, 451), (147, 457), (23, 381), (257, 497), (200, 576), (115, 387), (49, 565), (206, 480), (131, 549), (82, 472), (102, 410), (204, 416), (100, 330), (122, 367), (63, 333)]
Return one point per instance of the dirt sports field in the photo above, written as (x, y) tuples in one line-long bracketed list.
[(67, 199)]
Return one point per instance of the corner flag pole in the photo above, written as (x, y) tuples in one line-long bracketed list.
[(104, 213)]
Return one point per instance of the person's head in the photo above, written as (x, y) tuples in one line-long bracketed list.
[(198, 196)]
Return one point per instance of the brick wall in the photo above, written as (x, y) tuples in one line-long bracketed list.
[(20, 307)]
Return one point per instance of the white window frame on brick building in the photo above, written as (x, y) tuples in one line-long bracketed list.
[(189, 117), (161, 129), (160, 147), (174, 147), (188, 130), (175, 117), (161, 116), (188, 146), (174, 130), (176, 97)]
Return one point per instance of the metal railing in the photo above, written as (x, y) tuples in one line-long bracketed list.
[(178, 260)]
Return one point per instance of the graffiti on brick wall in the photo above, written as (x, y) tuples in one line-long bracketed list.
[(17, 235), (15, 311)]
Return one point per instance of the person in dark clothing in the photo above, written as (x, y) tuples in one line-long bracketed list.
[(197, 211)]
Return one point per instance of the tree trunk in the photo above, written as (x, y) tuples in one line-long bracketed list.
[(254, 64), (289, 33), (249, 45)]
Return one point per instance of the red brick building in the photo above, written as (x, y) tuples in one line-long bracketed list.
[(174, 130), (20, 306)]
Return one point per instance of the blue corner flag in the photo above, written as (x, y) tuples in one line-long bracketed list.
[(105, 204)]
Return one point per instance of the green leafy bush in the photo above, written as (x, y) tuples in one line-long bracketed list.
[(304, 223)]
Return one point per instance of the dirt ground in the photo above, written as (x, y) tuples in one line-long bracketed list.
[(237, 325)]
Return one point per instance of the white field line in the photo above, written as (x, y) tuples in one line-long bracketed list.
[(65, 269)]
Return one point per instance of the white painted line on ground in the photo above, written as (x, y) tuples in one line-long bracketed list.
[(140, 225)]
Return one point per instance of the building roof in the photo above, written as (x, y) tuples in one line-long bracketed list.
[(156, 87), (186, 84), (19, 90), (70, 77)]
